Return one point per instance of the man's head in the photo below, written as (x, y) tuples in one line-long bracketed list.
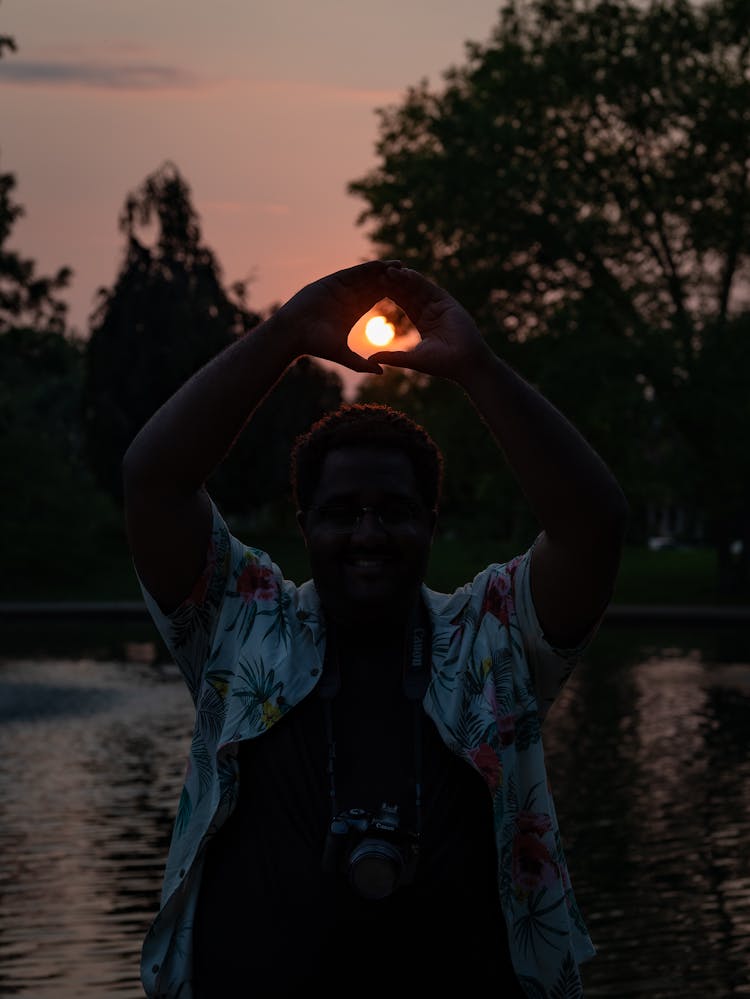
[(368, 426), (367, 482)]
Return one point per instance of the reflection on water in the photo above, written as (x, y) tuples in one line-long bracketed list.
[(648, 757), (89, 773), (648, 751)]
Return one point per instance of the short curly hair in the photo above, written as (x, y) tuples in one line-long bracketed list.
[(369, 425)]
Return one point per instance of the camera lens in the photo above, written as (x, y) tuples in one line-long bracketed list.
[(375, 868)]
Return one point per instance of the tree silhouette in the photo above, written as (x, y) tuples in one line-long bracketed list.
[(49, 508), (27, 301), (167, 315), (581, 184)]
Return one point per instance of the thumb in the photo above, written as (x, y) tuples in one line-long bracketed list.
[(395, 358), (354, 361)]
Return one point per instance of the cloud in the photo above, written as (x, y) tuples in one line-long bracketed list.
[(96, 75)]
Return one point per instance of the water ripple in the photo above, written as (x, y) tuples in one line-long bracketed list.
[(648, 757)]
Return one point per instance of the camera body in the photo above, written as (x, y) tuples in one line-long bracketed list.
[(372, 850)]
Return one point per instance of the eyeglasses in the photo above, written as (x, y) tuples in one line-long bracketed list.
[(391, 514)]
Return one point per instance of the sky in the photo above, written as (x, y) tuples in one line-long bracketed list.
[(267, 108)]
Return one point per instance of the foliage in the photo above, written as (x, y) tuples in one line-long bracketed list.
[(168, 315), (581, 185), (54, 519), (49, 508), (26, 299)]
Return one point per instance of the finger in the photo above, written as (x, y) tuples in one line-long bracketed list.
[(395, 358), (367, 271), (364, 365), (360, 287), (410, 289)]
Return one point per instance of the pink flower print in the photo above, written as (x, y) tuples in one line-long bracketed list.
[(498, 598), (487, 762), (533, 865), (256, 582)]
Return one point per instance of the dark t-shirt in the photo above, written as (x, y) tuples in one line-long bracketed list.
[(270, 922)]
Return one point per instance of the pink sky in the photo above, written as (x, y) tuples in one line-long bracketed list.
[(266, 108)]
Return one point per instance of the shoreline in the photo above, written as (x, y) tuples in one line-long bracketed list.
[(135, 610)]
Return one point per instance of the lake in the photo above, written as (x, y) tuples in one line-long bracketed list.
[(648, 753)]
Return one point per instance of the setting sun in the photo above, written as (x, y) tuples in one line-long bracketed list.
[(379, 331)]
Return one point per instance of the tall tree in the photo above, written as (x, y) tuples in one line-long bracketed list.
[(581, 184), (49, 509), (26, 299), (167, 315), (56, 524)]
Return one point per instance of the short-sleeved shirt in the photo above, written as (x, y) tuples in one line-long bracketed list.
[(251, 647)]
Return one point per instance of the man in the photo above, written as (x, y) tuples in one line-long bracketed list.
[(366, 803)]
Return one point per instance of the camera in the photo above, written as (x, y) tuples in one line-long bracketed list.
[(372, 850)]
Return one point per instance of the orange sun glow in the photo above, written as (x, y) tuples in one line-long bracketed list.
[(379, 331)]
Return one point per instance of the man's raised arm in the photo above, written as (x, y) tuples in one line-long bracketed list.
[(164, 470), (577, 501)]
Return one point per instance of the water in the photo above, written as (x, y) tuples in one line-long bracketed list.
[(648, 758)]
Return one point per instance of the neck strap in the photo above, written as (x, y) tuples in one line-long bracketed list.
[(416, 677), (417, 661)]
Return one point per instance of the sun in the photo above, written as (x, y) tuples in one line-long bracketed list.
[(379, 331)]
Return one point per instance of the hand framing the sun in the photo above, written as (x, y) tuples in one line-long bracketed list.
[(451, 346), (321, 315)]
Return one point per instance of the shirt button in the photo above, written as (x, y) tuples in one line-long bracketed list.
[(182, 873), (154, 968), (314, 672)]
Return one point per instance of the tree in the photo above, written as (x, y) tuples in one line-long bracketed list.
[(581, 184), (49, 508), (168, 315), (26, 300), (55, 522)]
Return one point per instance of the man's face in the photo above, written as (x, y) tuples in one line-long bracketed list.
[(367, 566)]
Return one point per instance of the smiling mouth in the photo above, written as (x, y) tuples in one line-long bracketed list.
[(368, 563)]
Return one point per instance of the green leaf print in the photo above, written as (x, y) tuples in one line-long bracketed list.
[(212, 708), (532, 929), (202, 761), (568, 984), (280, 619), (184, 811), (528, 730), (259, 687)]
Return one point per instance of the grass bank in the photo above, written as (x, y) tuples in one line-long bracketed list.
[(670, 576), (105, 573)]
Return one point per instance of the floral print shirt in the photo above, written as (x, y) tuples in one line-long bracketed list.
[(250, 645)]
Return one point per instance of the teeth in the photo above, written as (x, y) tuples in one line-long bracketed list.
[(367, 563)]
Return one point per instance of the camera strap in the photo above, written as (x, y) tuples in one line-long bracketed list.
[(416, 677), (417, 659)]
